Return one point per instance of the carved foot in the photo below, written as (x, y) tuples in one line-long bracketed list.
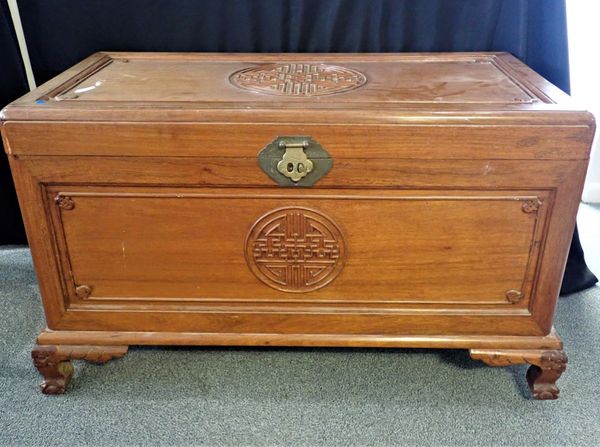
[(57, 373), (546, 367), (54, 362)]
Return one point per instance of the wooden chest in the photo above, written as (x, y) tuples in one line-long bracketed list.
[(385, 200)]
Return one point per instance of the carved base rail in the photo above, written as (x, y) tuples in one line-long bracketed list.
[(54, 364)]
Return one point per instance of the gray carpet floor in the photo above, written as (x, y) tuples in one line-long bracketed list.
[(292, 397)]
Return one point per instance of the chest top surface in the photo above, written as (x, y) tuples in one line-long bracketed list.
[(274, 87)]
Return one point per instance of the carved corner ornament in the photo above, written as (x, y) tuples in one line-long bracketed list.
[(531, 206), (545, 370), (54, 362), (82, 291), (513, 296), (64, 202)]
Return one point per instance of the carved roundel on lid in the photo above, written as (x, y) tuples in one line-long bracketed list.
[(295, 249), (298, 79)]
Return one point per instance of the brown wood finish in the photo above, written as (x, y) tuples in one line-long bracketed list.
[(374, 142), (102, 243), (444, 222), (101, 338)]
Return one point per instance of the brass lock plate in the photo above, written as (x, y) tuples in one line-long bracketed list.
[(295, 161)]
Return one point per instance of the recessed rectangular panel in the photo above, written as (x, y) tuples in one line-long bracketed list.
[(324, 248), (475, 80)]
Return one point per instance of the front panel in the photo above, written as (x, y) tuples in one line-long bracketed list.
[(303, 248)]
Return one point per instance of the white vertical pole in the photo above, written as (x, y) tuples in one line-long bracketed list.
[(16, 19)]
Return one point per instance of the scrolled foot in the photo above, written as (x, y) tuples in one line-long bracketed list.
[(542, 378), (57, 372), (54, 362), (546, 367)]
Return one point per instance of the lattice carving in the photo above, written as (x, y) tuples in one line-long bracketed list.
[(295, 249), (302, 79)]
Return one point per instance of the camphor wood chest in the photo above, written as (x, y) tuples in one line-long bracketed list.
[(415, 200)]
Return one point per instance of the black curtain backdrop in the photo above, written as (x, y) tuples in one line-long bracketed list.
[(59, 33), (12, 85)]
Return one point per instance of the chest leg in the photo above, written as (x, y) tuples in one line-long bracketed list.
[(546, 367), (54, 362)]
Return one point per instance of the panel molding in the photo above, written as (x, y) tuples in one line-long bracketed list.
[(532, 202)]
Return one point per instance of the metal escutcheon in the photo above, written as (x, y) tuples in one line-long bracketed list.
[(295, 161)]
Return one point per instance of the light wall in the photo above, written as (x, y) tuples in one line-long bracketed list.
[(583, 20)]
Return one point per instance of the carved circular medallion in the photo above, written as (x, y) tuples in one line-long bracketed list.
[(295, 249), (304, 79)]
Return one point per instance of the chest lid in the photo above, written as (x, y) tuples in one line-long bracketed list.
[(275, 87), (444, 105)]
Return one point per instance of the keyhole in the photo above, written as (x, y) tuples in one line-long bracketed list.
[(290, 167)]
